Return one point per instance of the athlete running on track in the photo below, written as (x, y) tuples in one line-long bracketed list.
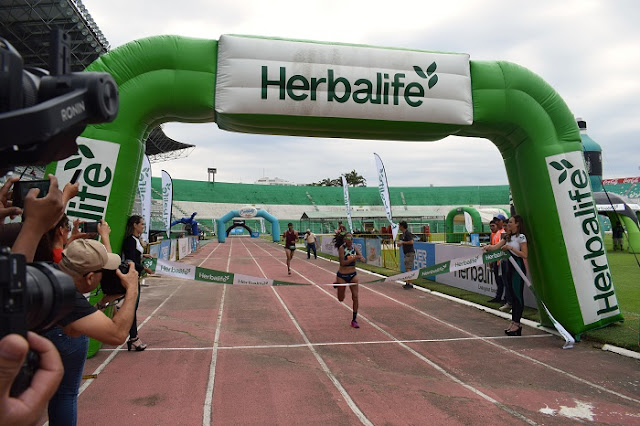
[(290, 238), (347, 255)]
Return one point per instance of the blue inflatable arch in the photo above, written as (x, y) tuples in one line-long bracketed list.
[(222, 232)]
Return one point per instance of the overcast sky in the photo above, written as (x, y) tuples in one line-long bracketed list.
[(589, 51)]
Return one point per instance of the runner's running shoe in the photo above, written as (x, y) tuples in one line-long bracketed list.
[(354, 324)]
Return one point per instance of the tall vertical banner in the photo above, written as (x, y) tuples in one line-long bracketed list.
[(167, 201), (383, 187), (468, 223), (144, 191), (347, 204)]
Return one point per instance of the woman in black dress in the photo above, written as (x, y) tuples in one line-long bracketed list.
[(132, 250)]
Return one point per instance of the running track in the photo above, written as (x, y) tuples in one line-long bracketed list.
[(224, 354)]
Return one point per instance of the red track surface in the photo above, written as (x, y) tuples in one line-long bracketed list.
[(227, 354)]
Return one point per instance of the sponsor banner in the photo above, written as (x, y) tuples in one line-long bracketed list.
[(326, 245), (97, 160), (183, 247), (475, 274), (144, 192), (154, 249), (298, 78), (167, 201), (373, 250), (173, 269), (239, 279), (621, 180), (192, 272), (165, 249), (581, 230), (173, 251), (248, 212), (347, 205), (383, 188), (211, 276), (359, 244)]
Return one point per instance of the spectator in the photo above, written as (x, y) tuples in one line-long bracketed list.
[(133, 250), (516, 243), (341, 227), (618, 233), (310, 239), (501, 223), (85, 260), (496, 235), (406, 241)]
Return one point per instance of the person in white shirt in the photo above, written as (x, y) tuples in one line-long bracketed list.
[(310, 239)]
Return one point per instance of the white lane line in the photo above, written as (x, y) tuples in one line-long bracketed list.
[(511, 351), (207, 409), (350, 402), (487, 340), (431, 363), (229, 257), (210, 254), (107, 361), (302, 345)]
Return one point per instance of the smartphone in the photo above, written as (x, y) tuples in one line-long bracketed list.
[(75, 177), (89, 227), (22, 187)]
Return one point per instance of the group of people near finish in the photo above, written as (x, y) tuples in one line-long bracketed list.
[(505, 235), (510, 238)]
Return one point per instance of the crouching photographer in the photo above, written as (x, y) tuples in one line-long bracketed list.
[(85, 261)]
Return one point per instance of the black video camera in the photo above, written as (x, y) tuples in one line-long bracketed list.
[(110, 283), (32, 297), (42, 113)]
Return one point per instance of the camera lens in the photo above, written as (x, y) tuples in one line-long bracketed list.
[(50, 295)]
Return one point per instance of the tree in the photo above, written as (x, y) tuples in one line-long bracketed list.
[(354, 179)]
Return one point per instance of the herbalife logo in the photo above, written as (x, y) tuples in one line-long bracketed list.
[(384, 89), (562, 166), (581, 229), (96, 180)]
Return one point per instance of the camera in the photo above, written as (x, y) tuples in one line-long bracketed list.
[(22, 187), (42, 113), (89, 227), (110, 283), (32, 297)]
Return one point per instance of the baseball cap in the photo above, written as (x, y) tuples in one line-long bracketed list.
[(308, 230), (84, 255), (500, 217)]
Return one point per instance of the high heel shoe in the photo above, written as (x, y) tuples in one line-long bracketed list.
[(516, 332), (136, 344)]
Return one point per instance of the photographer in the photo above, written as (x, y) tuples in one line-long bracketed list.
[(27, 408), (85, 260)]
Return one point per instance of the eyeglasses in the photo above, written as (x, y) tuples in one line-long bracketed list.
[(348, 238)]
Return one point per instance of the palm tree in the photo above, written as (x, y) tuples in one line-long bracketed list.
[(354, 179)]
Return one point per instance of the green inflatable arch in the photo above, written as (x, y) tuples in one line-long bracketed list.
[(290, 87), (476, 219), (448, 222)]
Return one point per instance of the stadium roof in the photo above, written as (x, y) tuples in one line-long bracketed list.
[(27, 25)]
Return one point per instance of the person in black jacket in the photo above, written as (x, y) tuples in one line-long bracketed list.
[(132, 250)]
